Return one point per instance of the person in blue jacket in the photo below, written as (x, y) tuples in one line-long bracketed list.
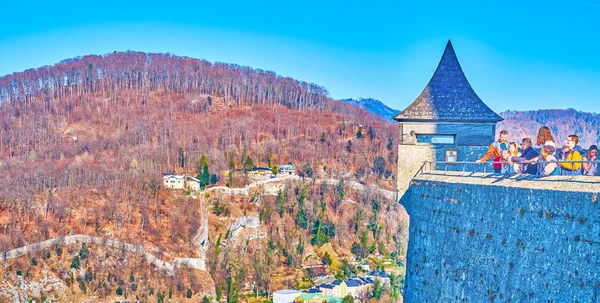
[(527, 154)]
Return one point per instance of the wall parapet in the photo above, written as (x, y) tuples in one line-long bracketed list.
[(477, 237), (567, 183)]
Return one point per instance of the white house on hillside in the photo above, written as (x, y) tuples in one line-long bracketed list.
[(174, 181), (286, 296), (192, 184), (286, 170)]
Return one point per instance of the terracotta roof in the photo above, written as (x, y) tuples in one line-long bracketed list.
[(448, 97)]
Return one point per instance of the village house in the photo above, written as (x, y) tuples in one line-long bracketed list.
[(286, 296), (364, 266), (327, 289), (322, 278), (352, 287), (380, 276), (311, 298), (337, 288), (192, 184), (173, 181), (260, 173), (286, 170), (366, 283)]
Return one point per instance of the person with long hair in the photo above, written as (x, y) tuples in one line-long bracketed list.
[(544, 137), (514, 152), (591, 169), (548, 167)]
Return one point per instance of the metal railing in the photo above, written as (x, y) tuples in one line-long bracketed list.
[(507, 167)]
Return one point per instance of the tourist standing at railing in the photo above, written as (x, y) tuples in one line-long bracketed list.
[(549, 165), (514, 151), (591, 169), (544, 137), (573, 141), (528, 155), (506, 164), (495, 151), (573, 167)]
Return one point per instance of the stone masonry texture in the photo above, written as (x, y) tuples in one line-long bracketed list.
[(478, 238)]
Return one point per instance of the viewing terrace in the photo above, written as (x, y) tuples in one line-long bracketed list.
[(473, 173)]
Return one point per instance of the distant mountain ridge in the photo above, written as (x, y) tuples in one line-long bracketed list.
[(521, 124), (562, 123), (374, 106)]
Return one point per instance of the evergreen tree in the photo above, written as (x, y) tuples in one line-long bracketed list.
[(83, 252), (377, 290), (243, 156), (214, 178), (229, 179), (272, 161), (307, 170), (205, 177), (390, 143), (379, 167), (181, 158), (248, 164), (75, 262), (357, 250), (280, 203), (205, 174), (232, 291), (203, 161), (231, 163), (218, 292), (371, 133), (301, 218), (327, 259), (300, 247), (341, 189), (359, 134)]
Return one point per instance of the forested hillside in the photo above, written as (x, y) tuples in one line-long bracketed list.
[(84, 145), (563, 123)]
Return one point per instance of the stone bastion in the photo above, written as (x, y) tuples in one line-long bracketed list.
[(480, 238)]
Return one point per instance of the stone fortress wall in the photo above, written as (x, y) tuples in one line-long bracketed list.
[(477, 238)]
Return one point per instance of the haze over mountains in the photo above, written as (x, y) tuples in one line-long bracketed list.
[(521, 124)]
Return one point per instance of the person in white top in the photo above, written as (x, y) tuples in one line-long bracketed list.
[(549, 166)]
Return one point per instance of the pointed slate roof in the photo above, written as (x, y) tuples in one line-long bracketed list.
[(448, 97)]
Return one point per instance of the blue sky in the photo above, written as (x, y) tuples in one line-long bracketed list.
[(516, 54)]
